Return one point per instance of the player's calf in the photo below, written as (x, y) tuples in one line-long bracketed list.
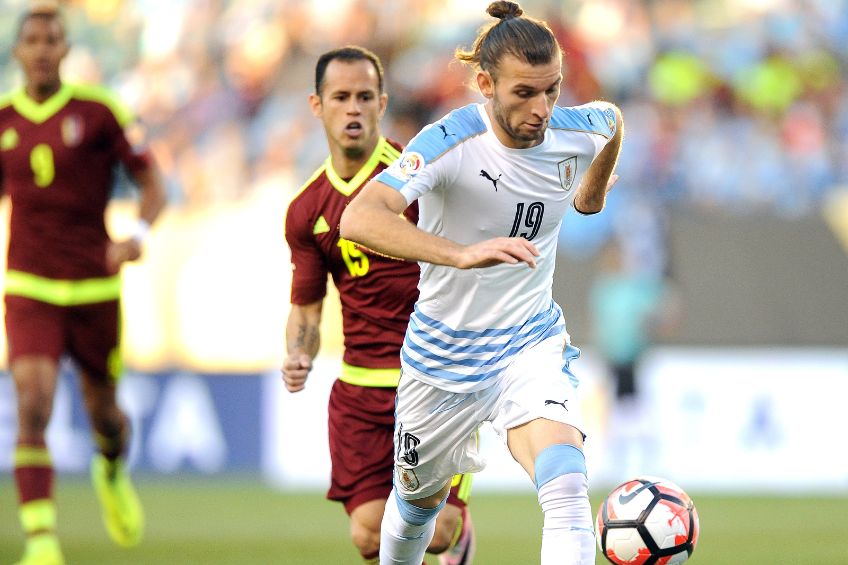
[(35, 406), (365, 520), (110, 424), (365, 536), (111, 439), (448, 523), (567, 535), (462, 546)]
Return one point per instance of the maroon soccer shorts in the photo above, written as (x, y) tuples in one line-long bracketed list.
[(88, 333), (361, 429)]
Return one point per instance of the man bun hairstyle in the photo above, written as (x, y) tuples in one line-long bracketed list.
[(525, 38), (503, 10)]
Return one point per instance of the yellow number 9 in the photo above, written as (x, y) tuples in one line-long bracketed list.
[(43, 167)]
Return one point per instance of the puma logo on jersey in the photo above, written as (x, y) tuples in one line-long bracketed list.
[(445, 131), (488, 176), (549, 402)]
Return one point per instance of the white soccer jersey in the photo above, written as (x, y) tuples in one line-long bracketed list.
[(468, 324)]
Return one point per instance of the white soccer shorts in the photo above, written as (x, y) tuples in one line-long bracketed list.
[(436, 430)]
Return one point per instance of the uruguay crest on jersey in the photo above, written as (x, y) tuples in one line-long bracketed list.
[(567, 172)]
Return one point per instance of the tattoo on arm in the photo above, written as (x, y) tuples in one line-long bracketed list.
[(308, 339)]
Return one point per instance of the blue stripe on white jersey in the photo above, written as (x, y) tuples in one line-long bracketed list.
[(434, 141), (584, 118), (441, 355), (527, 336), (520, 344), (448, 132)]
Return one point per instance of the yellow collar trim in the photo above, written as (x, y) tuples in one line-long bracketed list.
[(40, 113), (348, 188)]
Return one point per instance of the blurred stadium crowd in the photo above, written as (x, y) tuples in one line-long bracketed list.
[(738, 105)]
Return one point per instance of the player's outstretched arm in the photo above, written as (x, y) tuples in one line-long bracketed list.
[(303, 339), (373, 219), (599, 178)]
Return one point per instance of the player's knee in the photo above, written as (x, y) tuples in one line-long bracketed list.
[(434, 501), (35, 388), (34, 408), (365, 539), (33, 419)]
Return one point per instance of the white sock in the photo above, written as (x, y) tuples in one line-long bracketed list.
[(568, 535), (406, 531)]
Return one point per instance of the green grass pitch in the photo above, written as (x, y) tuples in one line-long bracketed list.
[(240, 521)]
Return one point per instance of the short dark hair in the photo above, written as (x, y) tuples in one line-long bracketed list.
[(347, 53), (47, 12), (526, 38)]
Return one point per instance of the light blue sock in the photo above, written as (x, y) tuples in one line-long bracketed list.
[(568, 536), (406, 531)]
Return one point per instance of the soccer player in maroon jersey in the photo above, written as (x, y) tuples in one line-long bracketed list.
[(59, 144), (377, 294)]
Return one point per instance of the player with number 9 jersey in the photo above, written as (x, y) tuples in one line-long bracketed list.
[(60, 144), (57, 163)]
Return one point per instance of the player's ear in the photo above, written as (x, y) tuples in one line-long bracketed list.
[(486, 84), (315, 105), (384, 101)]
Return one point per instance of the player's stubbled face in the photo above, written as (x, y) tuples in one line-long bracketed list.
[(39, 50), (524, 97), (351, 106)]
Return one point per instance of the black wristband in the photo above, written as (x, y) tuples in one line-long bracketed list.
[(581, 212)]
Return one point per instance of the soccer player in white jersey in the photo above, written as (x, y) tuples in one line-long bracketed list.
[(486, 341)]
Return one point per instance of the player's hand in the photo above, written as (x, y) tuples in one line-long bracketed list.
[(499, 250), (295, 371), (119, 252)]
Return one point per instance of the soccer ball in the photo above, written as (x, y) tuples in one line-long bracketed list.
[(647, 521)]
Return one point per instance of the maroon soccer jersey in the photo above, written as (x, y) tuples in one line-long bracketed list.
[(377, 293), (57, 162)]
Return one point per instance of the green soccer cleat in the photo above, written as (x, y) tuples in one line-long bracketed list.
[(42, 549), (122, 512)]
